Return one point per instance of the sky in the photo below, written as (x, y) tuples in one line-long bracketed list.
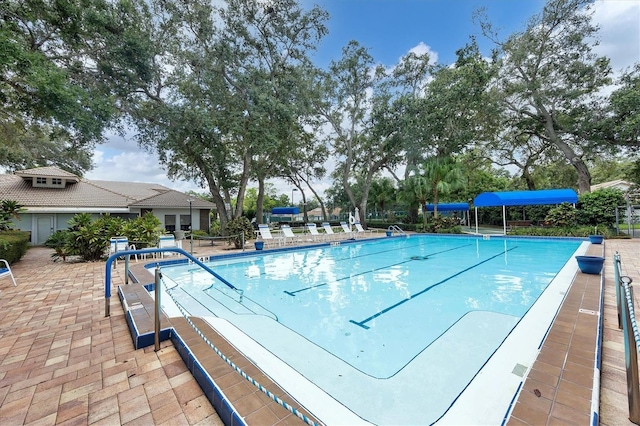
[(390, 29)]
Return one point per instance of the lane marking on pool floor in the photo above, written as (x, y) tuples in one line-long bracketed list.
[(293, 293), (413, 296)]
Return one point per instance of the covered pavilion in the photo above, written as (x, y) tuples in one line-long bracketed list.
[(522, 198)]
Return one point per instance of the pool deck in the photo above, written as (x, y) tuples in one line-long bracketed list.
[(63, 362)]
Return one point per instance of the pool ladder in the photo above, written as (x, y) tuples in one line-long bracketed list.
[(396, 228)]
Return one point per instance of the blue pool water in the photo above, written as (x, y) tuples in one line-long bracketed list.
[(378, 305)]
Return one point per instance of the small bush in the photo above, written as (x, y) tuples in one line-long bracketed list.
[(13, 245), (563, 215), (238, 227)]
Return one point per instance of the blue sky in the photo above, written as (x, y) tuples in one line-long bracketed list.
[(390, 29)]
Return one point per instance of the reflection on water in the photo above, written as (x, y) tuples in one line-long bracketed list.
[(378, 304)]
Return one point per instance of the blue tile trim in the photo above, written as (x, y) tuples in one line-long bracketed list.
[(224, 408), (214, 394)]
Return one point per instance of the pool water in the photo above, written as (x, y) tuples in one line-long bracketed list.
[(448, 302)]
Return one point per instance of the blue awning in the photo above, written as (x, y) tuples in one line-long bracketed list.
[(449, 207), (525, 198), (285, 210)]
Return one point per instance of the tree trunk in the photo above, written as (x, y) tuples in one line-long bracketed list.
[(260, 200)]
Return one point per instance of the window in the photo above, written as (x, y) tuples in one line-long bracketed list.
[(56, 181), (41, 180), (185, 222), (170, 222)]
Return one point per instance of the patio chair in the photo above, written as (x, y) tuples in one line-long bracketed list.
[(167, 241), (328, 231), (117, 244), (5, 271), (289, 236), (313, 231), (361, 231), (264, 234), (346, 230)]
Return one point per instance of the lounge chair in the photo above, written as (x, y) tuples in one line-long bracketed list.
[(289, 236), (346, 230), (328, 231), (313, 230), (5, 271), (361, 231), (265, 235), (167, 241)]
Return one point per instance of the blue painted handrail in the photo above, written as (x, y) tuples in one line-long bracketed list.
[(107, 284)]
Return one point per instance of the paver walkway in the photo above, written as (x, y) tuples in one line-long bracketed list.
[(63, 362)]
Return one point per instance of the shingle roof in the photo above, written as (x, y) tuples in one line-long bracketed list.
[(48, 172), (81, 194), (87, 193), (173, 198)]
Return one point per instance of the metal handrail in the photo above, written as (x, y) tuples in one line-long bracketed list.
[(127, 253), (626, 314), (396, 228)]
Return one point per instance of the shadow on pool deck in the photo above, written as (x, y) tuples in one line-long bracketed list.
[(62, 361)]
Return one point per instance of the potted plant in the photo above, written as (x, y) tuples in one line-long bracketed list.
[(590, 264), (595, 238)]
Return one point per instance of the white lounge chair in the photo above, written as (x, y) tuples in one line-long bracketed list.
[(289, 236), (361, 231), (328, 231), (346, 230), (266, 236), (167, 241), (313, 230), (5, 271)]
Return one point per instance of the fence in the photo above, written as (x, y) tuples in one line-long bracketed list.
[(627, 322)]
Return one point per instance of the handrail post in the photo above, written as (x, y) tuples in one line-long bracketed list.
[(618, 284), (631, 361), (126, 270), (158, 276)]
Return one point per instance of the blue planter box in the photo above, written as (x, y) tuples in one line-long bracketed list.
[(596, 239), (590, 264), (259, 245)]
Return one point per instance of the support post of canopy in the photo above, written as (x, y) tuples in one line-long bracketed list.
[(504, 219), (476, 219)]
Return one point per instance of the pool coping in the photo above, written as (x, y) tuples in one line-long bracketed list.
[(515, 414)]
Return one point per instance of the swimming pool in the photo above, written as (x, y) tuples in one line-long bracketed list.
[(395, 330)]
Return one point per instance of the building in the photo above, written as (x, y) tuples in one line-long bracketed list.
[(51, 197)]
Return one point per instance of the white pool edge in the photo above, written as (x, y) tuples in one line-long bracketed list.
[(477, 406)]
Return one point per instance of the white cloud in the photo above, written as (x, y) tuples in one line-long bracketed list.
[(423, 49), (619, 34)]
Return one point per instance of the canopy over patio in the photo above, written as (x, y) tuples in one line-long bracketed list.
[(285, 210), (523, 198), (449, 207)]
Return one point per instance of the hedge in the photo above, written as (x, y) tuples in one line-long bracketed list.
[(13, 245)]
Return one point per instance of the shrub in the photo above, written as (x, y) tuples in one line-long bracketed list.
[(441, 225), (561, 216), (144, 230), (59, 241), (9, 210), (237, 228), (599, 207), (13, 245)]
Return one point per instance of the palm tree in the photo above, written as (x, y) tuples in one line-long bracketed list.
[(382, 192), (445, 176), (441, 175)]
